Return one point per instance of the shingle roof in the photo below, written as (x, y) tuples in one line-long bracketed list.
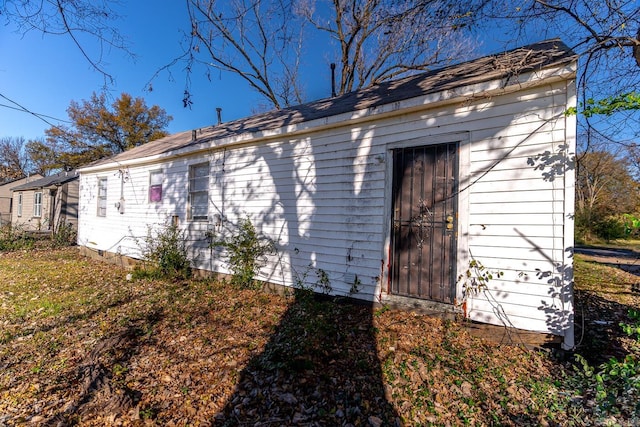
[(528, 58), (13, 180), (48, 181)]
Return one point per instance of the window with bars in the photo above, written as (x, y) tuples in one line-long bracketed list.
[(199, 192)]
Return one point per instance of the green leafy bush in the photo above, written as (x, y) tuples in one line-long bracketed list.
[(615, 384), (246, 251), (632, 225), (611, 227), (632, 329), (305, 289), (164, 252), (15, 238), (64, 235), (607, 227)]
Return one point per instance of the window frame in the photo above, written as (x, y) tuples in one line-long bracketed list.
[(19, 204), (193, 191), (153, 173), (101, 208), (37, 204)]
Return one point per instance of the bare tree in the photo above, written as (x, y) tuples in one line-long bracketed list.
[(264, 41), (14, 161), (89, 24), (604, 33), (382, 40), (259, 41), (604, 188)]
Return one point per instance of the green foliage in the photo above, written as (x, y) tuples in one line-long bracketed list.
[(632, 329), (246, 253), (164, 253), (476, 278), (615, 384), (380, 311), (15, 238), (607, 106), (632, 225), (99, 130), (611, 227), (64, 235), (322, 284)]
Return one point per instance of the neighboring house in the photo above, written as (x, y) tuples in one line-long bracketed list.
[(46, 203), (390, 193), (5, 196)]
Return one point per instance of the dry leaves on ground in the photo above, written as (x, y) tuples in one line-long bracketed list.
[(81, 345)]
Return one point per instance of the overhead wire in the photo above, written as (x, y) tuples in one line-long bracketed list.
[(22, 108)]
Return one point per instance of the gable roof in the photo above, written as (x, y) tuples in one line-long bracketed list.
[(14, 180), (48, 181), (506, 65)]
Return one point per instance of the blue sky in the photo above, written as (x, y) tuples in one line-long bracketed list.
[(45, 73)]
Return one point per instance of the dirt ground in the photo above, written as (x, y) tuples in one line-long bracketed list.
[(81, 345)]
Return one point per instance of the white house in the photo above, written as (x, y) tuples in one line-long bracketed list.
[(392, 192)]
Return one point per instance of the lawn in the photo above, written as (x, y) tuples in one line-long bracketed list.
[(81, 345)]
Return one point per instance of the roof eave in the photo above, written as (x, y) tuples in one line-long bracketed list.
[(512, 83)]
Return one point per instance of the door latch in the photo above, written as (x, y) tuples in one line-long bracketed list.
[(449, 222)]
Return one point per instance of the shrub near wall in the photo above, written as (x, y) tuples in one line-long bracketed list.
[(164, 253), (246, 253)]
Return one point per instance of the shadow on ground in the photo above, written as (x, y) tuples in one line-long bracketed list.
[(603, 302), (98, 378), (315, 370), (598, 330)]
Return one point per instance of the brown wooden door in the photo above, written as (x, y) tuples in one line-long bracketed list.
[(423, 239)]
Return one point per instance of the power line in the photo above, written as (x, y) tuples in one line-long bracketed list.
[(39, 114), (22, 108)]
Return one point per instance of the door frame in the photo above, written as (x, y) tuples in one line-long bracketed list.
[(462, 239)]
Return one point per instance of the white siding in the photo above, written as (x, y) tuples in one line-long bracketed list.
[(323, 197)]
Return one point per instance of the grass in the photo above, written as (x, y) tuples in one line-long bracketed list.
[(608, 282), (81, 345), (630, 244)]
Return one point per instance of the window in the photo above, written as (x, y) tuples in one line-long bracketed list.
[(155, 186), (102, 196), (199, 192), (19, 204), (37, 204)]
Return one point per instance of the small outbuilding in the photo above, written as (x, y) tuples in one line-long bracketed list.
[(46, 203), (451, 190)]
